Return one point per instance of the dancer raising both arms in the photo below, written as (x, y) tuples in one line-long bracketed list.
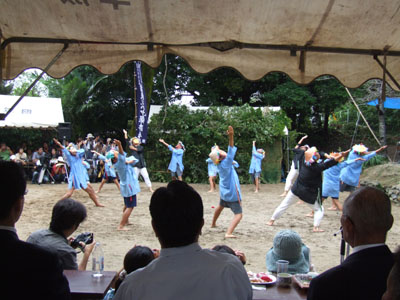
[(77, 176), (307, 186), (109, 172), (129, 185), (294, 169), (255, 165), (229, 187), (176, 164)]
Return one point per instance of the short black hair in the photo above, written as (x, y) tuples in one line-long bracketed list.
[(224, 249), (66, 214), (177, 214), (137, 257), (12, 186)]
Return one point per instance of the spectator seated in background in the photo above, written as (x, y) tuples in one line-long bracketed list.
[(21, 157), (5, 152), (136, 258), (27, 271), (393, 281), (59, 170), (66, 217), (184, 270), (38, 160), (226, 249), (366, 219), (288, 246)]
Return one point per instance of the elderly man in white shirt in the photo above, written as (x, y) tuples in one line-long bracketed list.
[(184, 270)]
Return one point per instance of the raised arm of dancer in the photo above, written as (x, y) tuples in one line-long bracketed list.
[(301, 141), (381, 148), (230, 133), (163, 142), (58, 143), (120, 149), (95, 152)]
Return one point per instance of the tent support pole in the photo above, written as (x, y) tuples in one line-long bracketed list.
[(355, 104), (386, 71), (4, 116)]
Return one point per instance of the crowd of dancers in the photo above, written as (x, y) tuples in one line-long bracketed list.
[(313, 177)]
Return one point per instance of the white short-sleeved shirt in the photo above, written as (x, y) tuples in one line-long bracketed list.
[(188, 272)]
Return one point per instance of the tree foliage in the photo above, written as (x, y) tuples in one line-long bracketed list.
[(200, 130)]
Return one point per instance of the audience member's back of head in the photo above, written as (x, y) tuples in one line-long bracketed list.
[(370, 210), (177, 214), (12, 186), (138, 257), (67, 213), (224, 249), (393, 281)]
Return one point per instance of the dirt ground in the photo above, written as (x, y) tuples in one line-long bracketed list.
[(253, 236)]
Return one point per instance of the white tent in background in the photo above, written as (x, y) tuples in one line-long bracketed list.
[(32, 112)]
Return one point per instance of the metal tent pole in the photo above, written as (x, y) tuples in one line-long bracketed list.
[(4, 116)]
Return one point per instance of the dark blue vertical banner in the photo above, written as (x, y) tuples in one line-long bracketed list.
[(141, 106)]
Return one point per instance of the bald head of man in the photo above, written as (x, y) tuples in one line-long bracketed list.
[(366, 217)]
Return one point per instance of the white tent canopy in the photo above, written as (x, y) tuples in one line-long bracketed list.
[(32, 112), (303, 38)]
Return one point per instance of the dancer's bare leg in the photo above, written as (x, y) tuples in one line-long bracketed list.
[(337, 204), (125, 218), (117, 183), (257, 183), (235, 221), (217, 212), (180, 178), (211, 181), (93, 195), (68, 194), (101, 185)]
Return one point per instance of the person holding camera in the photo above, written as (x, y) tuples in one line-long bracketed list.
[(66, 217)]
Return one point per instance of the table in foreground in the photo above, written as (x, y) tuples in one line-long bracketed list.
[(273, 292), (84, 286)]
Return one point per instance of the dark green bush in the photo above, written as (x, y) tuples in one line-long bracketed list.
[(200, 130)]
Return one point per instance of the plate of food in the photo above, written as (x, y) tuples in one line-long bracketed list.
[(303, 280), (261, 278)]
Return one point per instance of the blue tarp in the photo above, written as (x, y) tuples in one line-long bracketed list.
[(393, 103)]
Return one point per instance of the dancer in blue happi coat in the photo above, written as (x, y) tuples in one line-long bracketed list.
[(212, 172), (350, 176), (109, 171), (331, 180), (77, 176), (229, 186), (255, 165), (176, 164), (129, 184)]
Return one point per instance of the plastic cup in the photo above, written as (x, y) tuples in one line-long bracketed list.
[(284, 279)]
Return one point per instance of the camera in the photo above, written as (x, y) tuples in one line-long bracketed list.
[(86, 238)]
